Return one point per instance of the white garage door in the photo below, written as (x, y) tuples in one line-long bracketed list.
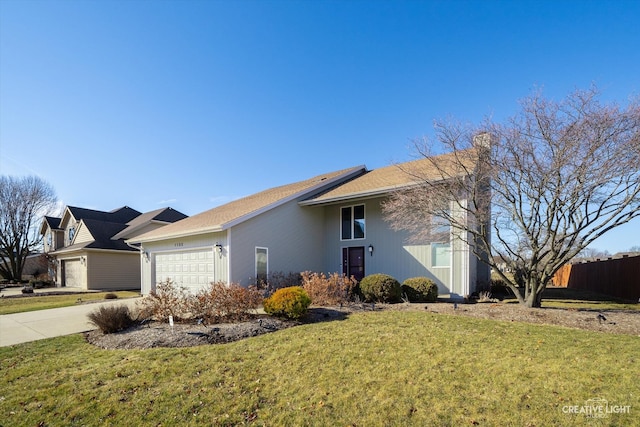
[(73, 273), (192, 269)]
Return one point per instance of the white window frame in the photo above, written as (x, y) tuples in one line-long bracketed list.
[(442, 246), (353, 222), (266, 250)]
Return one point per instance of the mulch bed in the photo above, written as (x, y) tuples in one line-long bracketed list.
[(161, 334)]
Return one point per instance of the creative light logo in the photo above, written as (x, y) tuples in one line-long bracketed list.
[(596, 408)]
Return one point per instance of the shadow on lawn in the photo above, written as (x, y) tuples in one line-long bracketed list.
[(576, 295), (324, 314)]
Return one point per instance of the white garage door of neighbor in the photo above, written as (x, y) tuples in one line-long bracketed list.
[(192, 269), (73, 273)]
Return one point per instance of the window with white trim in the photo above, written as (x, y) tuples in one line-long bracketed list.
[(441, 246), (440, 255), (262, 265), (352, 222)]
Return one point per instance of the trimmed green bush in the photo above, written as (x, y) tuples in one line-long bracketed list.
[(420, 289), (291, 302), (380, 288)]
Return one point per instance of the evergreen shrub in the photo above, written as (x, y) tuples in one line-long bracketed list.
[(380, 288), (420, 289), (291, 302)]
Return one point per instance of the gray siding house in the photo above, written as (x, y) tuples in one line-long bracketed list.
[(329, 223)]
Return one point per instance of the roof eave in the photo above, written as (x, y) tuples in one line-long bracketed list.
[(359, 195), (224, 226), (215, 229), (303, 193), (345, 198)]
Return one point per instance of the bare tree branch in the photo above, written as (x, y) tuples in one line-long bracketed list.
[(536, 190), (23, 202)]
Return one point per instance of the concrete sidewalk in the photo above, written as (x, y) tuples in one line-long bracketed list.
[(17, 290), (36, 325)]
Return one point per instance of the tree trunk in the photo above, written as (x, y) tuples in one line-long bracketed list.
[(534, 297)]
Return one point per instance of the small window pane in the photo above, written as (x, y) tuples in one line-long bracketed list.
[(358, 222), (440, 255), (261, 265), (346, 223)]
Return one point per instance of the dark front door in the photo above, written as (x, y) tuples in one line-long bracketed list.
[(353, 262)]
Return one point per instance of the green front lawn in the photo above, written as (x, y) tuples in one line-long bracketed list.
[(33, 303), (584, 300), (374, 368)]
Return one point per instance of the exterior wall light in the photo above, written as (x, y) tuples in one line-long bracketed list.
[(371, 250), (219, 249)]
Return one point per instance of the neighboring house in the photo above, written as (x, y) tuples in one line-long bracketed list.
[(329, 223), (88, 248)]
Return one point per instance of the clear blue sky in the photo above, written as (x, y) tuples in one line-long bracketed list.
[(194, 103)]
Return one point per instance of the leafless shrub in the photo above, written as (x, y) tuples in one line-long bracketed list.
[(221, 302), (112, 318), (336, 289), (168, 299), (278, 280)]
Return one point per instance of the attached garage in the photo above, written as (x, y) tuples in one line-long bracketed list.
[(192, 269), (73, 273)]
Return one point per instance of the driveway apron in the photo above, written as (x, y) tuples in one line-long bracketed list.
[(36, 325)]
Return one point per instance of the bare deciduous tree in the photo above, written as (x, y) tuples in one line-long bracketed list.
[(557, 175), (23, 201), (592, 253)]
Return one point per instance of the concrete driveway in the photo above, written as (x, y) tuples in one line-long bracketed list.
[(36, 325)]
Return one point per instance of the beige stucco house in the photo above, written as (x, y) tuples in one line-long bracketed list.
[(87, 248), (329, 223)]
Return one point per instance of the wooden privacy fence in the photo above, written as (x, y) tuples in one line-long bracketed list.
[(619, 277)]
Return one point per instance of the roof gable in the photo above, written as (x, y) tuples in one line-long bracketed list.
[(103, 232), (124, 214), (163, 215), (237, 211), (120, 215), (50, 223)]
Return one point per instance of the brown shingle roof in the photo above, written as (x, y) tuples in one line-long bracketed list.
[(386, 179), (225, 216)]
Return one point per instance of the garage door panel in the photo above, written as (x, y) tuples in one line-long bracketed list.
[(73, 273), (192, 269)]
